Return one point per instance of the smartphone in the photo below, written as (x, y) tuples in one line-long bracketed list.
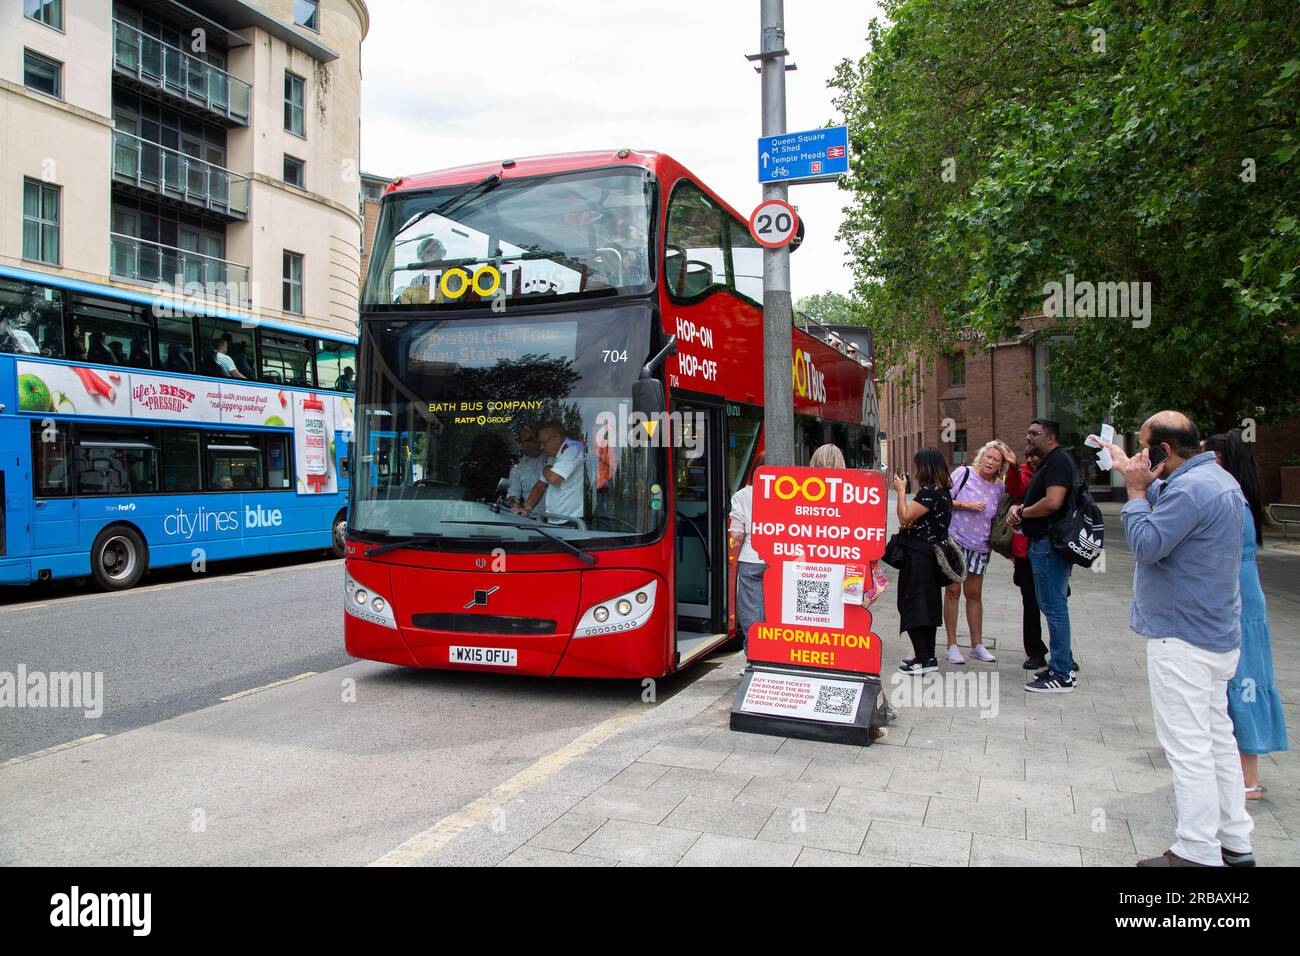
[(1156, 454)]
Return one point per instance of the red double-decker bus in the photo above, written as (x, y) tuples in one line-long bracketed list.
[(560, 387)]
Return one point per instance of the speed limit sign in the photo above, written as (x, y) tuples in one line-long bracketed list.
[(773, 223)]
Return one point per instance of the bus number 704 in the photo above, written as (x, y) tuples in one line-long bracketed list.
[(614, 355)]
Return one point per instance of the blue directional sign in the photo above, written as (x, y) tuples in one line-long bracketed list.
[(812, 156)]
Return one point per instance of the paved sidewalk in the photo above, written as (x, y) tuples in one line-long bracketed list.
[(1058, 780)]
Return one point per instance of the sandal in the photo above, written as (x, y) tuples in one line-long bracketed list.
[(1256, 792)]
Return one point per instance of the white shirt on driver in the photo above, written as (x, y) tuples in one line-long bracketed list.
[(566, 497)]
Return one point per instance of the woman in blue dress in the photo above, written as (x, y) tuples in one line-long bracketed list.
[(1253, 701)]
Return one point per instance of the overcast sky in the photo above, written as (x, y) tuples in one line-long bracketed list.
[(446, 84)]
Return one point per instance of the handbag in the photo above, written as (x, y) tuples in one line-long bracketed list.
[(952, 561), (1000, 533), (894, 556), (1079, 536)]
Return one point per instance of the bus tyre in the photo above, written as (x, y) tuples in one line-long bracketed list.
[(118, 558), (338, 547)]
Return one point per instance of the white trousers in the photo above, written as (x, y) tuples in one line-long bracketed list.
[(1189, 697)]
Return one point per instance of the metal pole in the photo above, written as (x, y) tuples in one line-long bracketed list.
[(778, 310)]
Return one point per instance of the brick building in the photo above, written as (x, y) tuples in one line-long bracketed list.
[(960, 401), (372, 190)]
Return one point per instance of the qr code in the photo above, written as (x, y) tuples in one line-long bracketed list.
[(813, 597), (836, 700)]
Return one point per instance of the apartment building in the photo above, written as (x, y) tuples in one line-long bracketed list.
[(209, 148)]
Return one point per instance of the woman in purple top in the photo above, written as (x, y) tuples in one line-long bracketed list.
[(975, 495)]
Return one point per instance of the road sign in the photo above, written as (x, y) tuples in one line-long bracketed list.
[(818, 155), (773, 223)]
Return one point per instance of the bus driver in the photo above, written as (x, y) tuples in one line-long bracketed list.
[(560, 487)]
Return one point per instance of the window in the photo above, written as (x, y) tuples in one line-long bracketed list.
[(42, 74), (292, 298), (49, 12), (175, 345), (957, 369), (31, 321), (694, 263), (306, 13), (40, 222), (746, 262), (50, 446), (336, 364), (277, 461), (295, 171), (238, 462), (226, 350), (116, 461), (182, 468), (293, 103), (110, 333), (286, 359), (744, 423), (959, 451)]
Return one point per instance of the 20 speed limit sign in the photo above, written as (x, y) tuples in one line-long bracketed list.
[(773, 223)]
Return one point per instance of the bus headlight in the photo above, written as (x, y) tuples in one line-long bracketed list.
[(629, 611), (361, 603)]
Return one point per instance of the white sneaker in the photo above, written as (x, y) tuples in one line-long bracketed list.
[(954, 655), (981, 653)]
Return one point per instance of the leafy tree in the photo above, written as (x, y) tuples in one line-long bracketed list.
[(831, 308), (999, 147)]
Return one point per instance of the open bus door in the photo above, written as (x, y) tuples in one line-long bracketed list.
[(700, 523)]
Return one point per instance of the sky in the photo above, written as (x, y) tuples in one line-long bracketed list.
[(446, 84)]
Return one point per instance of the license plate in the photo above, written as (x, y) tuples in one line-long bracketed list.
[(494, 656)]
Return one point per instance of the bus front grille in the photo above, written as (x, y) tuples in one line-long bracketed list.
[(483, 624)]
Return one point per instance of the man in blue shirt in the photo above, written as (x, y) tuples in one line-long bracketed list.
[(1185, 533)]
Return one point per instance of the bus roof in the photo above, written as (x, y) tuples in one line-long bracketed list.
[(527, 166)]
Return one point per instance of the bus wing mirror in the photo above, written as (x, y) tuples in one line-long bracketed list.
[(648, 396)]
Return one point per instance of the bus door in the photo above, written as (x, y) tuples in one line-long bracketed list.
[(54, 509), (700, 545)]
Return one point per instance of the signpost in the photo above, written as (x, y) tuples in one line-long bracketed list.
[(816, 155), (814, 667)]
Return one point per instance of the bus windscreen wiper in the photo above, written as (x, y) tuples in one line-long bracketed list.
[(583, 556), (406, 541), (494, 179)]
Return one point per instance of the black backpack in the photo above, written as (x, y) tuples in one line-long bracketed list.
[(1080, 535)]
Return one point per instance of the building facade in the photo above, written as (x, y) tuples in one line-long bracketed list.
[(960, 401), (372, 191), (208, 149)]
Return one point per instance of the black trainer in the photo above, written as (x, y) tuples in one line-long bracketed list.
[(1050, 683), (919, 667), (1034, 663), (1233, 858)]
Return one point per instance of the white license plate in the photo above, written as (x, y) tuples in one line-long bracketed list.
[(495, 656)]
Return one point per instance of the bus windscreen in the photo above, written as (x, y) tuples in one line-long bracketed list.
[(584, 234), (459, 418)]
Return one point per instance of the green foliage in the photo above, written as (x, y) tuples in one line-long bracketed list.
[(831, 308), (1163, 150)]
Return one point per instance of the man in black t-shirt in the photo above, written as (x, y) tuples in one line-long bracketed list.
[(1046, 501)]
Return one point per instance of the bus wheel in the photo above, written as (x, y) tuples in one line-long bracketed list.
[(339, 548), (117, 558)]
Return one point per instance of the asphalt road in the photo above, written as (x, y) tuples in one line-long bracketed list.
[(336, 768)]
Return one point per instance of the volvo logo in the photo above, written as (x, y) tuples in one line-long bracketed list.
[(480, 562), (481, 597)]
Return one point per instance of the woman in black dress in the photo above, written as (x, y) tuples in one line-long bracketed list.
[(923, 523)]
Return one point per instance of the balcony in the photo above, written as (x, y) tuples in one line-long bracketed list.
[(184, 78), (159, 171), (145, 262)]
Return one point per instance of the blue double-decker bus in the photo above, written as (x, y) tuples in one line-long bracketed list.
[(141, 431)]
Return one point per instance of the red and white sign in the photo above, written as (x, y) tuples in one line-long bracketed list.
[(773, 223), (817, 530), (835, 152), (813, 698)]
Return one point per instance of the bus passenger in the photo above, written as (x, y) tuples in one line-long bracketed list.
[(749, 566), (560, 488), (423, 288), (221, 346), (527, 471), (347, 381)]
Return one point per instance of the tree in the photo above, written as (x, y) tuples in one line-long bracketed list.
[(1001, 147), (831, 308)]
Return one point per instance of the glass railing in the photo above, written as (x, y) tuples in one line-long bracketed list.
[(182, 74), (170, 172), (139, 260)]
